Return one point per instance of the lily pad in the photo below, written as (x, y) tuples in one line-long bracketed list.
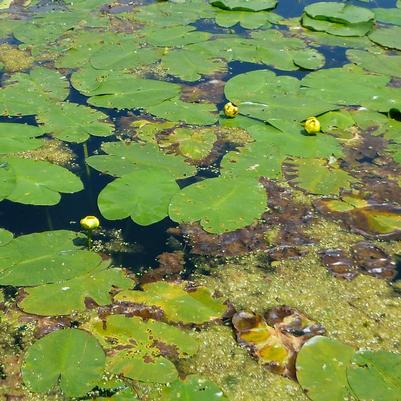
[(26, 94), (388, 37), (70, 358), (261, 94), (193, 388), (317, 176), (126, 158), (195, 306), (375, 375), (143, 195), (190, 113), (39, 182), (19, 137), (137, 347), (7, 180), (74, 123), (194, 144), (217, 203), (247, 5), (66, 297), (46, 257), (247, 19), (5, 236), (190, 65), (321, 369)]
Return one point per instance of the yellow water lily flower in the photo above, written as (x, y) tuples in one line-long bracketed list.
[(230, 110), (312, 125), (90, 223)]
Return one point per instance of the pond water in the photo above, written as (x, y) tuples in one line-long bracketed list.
[(242, 158)]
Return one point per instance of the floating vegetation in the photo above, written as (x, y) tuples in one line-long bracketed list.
[(238, 164)]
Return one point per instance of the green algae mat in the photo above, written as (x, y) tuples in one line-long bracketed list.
[(239, 166)]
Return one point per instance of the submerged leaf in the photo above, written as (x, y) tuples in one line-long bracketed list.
[(196, 306)]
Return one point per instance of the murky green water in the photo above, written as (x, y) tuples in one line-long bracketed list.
[(245, 251)]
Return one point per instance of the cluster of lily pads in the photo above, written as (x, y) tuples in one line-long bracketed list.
[(168, 68)]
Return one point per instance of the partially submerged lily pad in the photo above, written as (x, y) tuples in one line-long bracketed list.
[(192, 306)]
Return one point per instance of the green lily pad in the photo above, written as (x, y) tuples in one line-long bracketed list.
[(123, 395), (193, 388), (194, 144), (143, 195), (321, 369), (261, 94), (244, 5), (388, 37), (339, 12), (137, 347), (190, 113), (71, 358), (5, 236), (217, 203), (7, 180), (125, 158), (121, 90), (39, 182), (351, 85), (334, 28), (46, 257), (19, 137), (73, 123), (338, 123), (388, 15), (196, 306), (247, 19), (375, 375), (66, 297), (316, 176), (378, 63), (30, 93), (190, 65)]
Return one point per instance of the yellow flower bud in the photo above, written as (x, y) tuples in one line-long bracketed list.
[(230, 110), (90, 223), (312, 125)]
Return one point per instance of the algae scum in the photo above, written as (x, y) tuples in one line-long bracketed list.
[(245, 251)]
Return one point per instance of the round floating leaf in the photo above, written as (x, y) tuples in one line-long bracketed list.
[(388, 37), (193, 388), (317, 176), (122, 90), (194, 144), (339, 12), (379, 63), (45, 257), (66, 297), (7, 180), (261, 94), (5, 236), (247, 19), (19, 137), (74, 123), (190, 113), (247, 5), (218, 203), (321, 369), (125, 158), (189, 65), (375, 376), (29, 93), (178, 305), (40, 182), (388, 15), (309, 59), (71, 358), (143, 195), (335, 28)]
